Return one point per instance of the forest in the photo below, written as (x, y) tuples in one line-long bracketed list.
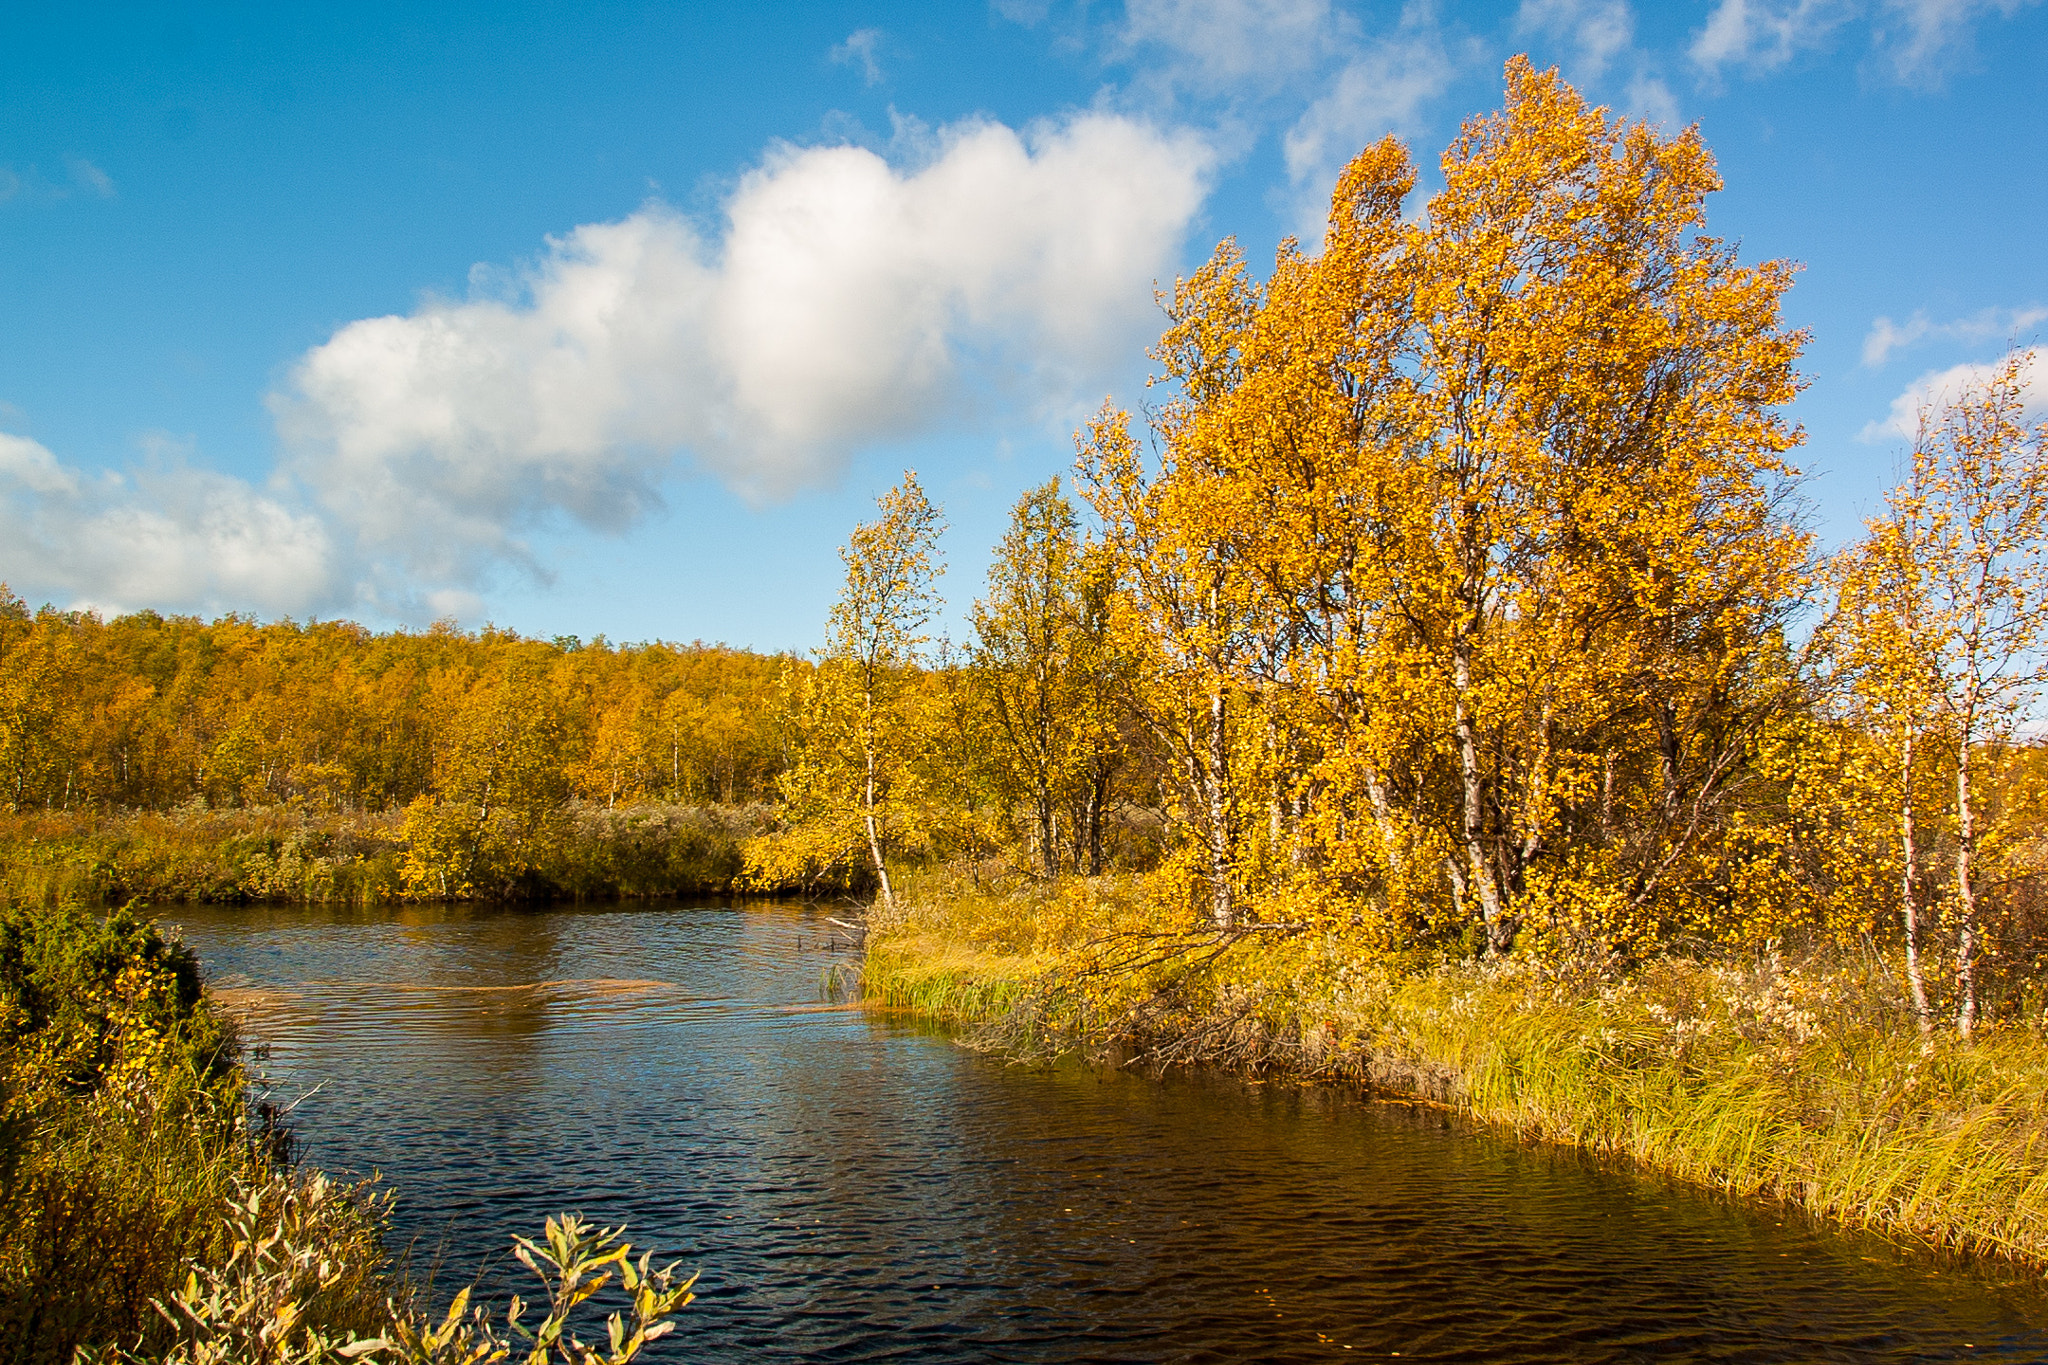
[(1459, 601), (175, 759)]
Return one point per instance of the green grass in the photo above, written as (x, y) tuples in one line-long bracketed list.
[(944, 981)]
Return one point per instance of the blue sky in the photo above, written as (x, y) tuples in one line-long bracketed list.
[(607, 318)]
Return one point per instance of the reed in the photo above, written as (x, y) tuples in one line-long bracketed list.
[(944, 981), (1770, 1075)]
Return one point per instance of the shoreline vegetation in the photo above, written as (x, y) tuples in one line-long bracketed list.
[(150, 1210), (292, 855), (1775, 1074), (1511, 743)]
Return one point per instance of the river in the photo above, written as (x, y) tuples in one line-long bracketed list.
[(854, 1187)]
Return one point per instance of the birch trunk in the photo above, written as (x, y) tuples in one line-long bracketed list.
[(1966, 894), (1909, 877), (1482, 882), (1222, 910)]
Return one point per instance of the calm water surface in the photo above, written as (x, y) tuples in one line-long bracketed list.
[(856, 1188)]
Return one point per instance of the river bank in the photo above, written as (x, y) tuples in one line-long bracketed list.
[(292, 855), (1770, 1075), (151, 1210)]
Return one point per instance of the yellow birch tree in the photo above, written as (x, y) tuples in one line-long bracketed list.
[(1953, 592), (1041, 671), (862, 775), (1471, 530)]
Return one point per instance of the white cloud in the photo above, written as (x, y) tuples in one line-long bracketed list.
[(165, 535), (1600, 30), (1917, 40), (1886, 336), (31, 465), (1920, 39), (1382, 89), (859, 50), (1232, 46), (849, 302), (846, 301), (1937, 387), (1765, 34)]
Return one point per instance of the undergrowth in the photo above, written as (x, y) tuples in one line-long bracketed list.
[(144, 1217), (294, 854)]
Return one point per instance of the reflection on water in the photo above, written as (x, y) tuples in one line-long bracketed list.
[(856, 1188)]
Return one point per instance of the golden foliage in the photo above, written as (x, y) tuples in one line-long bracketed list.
[(865, 783), (1465, 561)]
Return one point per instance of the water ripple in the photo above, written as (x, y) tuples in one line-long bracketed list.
[(854, 1188)]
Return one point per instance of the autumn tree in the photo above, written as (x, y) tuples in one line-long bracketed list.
[(863, 776), (618, 763), (1191, 619), (499, 786), (1041, 671), (1477, 519), (1099, 668), (36, 676), (1883, 601), (1946, 606)]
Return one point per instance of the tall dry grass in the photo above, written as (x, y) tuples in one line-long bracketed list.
[(1772, 1075)]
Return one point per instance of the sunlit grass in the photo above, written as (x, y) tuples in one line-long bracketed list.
[(1769, 1076)]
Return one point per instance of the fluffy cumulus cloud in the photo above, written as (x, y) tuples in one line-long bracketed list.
[(165, 535), (848, 301), (1938, 387)]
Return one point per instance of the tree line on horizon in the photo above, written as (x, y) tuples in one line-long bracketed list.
[(152, 712)]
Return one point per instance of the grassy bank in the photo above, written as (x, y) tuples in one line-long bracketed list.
[(285, 853), (1769, 1075)]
